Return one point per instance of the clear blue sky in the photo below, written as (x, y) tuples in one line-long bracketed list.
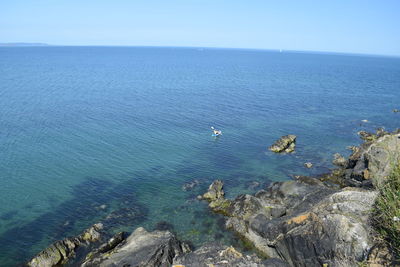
[(355, 26)]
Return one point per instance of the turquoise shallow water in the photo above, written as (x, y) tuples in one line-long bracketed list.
[(111, 134)]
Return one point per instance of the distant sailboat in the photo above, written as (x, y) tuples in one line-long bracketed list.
[(280, 50)]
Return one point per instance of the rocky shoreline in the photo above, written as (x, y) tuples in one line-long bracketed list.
[(309, 221)]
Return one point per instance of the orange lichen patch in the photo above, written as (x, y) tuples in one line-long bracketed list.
[(366, 174), (231, 251), (179, 265), (299, 219)]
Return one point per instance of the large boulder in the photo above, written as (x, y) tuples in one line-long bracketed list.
[(286, 144), (61, 251), (141, 249)]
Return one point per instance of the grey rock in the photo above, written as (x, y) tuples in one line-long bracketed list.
[(61, 251), (162, 249), (286, 144), (221, 256), (106, 247), (141, 249)]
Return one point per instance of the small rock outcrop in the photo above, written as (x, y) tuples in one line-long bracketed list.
[(216, 197), (308, 165), (285, 144), (369, 137), (141, 249), (61, 251), (339, 160), (366, 136)]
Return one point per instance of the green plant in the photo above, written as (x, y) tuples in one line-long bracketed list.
[(387, 210)]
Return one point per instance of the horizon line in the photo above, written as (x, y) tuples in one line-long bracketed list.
[(40, 44)]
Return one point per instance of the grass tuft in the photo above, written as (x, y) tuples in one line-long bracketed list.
[(387, 211)]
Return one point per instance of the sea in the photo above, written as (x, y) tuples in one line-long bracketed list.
[(122, 135)]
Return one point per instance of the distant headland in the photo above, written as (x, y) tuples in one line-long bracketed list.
[(23, 44)]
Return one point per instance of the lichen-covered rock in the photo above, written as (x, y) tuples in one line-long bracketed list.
[(373, 161), (141, 249), (286, 144), (215, 197), (61, 251), (339, 160), (213, 255), (215, 191), (106, 247), (369, 137), (366, 136)]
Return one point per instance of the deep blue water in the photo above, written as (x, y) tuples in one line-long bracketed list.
[(86, 132)]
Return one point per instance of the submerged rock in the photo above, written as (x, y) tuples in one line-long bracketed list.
[(190, 185), (61, 251), (128, 213), (396, 110), (252, 185), (286, 144), (164, 225), (141, 249)]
